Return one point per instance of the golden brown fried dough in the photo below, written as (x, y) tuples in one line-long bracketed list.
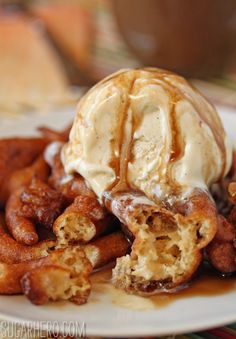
[(10, 275), (22, 177), (72, 260), (64, 275), (222, 256), (36, 203), (41, 203), (12, 252), (22, 228), (168, 242), (221, 252), (232, 196), (17, 153), (106, 249), (69, 273), (82, 221)]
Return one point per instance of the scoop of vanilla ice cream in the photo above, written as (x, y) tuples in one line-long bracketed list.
[(148, 130)]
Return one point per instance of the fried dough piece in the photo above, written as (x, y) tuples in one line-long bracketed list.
[(41, 203), (22, 177), (232, 196), (52, 135), (37, 203), (82, 221), (22, 228), (106, 249), (73, 260), (12, 252), (56, 282), (222, 256), (17, 153), (69, 186), (167, 242), (221, 252), (64, 275)]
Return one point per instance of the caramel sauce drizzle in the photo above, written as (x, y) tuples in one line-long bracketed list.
[(125, 145), (217, 128), (120, 163), (125, 137)]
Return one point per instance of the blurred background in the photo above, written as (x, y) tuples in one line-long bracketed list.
[(51, 51)]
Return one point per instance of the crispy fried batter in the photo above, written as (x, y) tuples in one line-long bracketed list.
[(168, 242), (232, 196), (22, 228), (76, 288), (17, 153), (36, 203), (82, 221), (69, 186), (221, 252), (41, 203), (63, 276), (106, 249), (14, 252), (22, 177), (222, 256)]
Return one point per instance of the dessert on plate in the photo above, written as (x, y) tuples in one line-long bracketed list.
[(140, 180)]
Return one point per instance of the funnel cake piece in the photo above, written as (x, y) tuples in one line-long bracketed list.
[(63, 276), (12, 252), (168, 241), (221, 252), (232, 198), (106, 249), (21, 228), (41, 203), (36, 203), (82, 221)]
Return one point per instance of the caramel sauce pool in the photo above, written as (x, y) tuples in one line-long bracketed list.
[(207, 284)]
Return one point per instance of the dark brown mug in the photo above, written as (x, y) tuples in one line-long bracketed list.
[(191, 37)]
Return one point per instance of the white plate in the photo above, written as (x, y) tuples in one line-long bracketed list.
[(103, 318)]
